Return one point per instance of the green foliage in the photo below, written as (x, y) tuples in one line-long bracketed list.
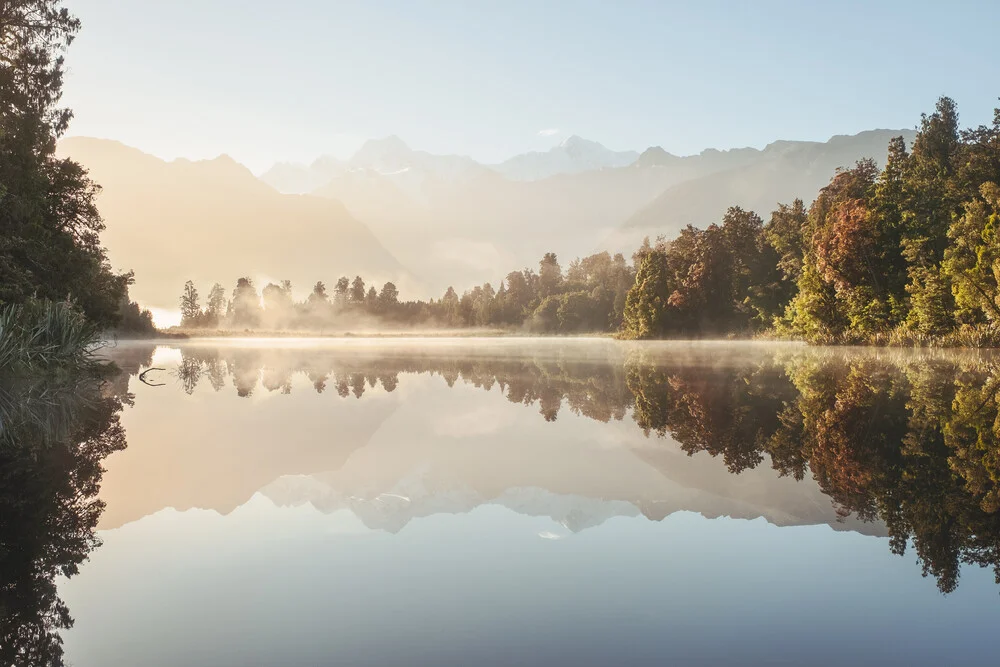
[(41, 335), (133, 320), (549, 275), (646, 303), (786, 233), (721, 280), (972, 259), (908, 255), (49, 245), (590, 297)]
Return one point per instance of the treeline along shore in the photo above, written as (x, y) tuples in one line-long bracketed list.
[(905, 255)]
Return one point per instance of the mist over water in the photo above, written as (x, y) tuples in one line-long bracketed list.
[(423, 501)]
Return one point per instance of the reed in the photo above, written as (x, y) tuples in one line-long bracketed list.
[(42, 335)]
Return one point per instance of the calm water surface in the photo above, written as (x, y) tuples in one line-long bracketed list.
[(506, 502)]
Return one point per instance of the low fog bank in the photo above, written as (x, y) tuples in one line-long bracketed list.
[(589, 297), (348, 330)]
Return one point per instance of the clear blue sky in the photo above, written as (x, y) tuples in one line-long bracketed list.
[(266, 81)]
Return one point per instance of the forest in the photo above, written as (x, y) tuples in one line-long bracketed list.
[(904, 255), (588, 296)]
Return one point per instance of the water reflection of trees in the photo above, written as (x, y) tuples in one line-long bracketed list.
[(592, 388), (909, 441), (53, 440)]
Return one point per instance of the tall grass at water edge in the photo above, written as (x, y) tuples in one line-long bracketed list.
[(39, 336)]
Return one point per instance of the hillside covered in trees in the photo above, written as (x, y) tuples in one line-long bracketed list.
[(907, 254)]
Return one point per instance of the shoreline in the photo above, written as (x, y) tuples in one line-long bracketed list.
[(176, 334)]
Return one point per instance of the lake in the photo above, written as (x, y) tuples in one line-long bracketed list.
[(504, 501)]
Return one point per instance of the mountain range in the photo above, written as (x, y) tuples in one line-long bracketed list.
[(782, 172), (465, 227), (214, 221), (391, 156), (429, 221)]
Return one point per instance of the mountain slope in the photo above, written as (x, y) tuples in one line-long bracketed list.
[(469, 231), (300, 179), (388, 157), (784, 170), (214, 221), (475, 229), (572, 156)]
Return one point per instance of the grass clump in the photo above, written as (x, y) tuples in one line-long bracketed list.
[(43, 335)]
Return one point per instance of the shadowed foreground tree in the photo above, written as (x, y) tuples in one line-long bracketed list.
[(49, 224)]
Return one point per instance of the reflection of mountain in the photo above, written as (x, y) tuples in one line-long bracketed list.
[(214, 221), (215, 452), (750, 497), (437, 466), (411, 499), (879, 443)]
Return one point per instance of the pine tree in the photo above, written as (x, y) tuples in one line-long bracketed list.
[(191, 315)]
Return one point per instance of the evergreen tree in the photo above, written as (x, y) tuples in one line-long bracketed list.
[(549, 275), (217, 305), (388, 298), (972, 258), (340, 292), (357, 294), (646, 304), (191, 314), (50, 242), (245, 307), (930, 202)]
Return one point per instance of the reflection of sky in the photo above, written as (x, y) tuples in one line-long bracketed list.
[(293, 587), (506, 540)]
